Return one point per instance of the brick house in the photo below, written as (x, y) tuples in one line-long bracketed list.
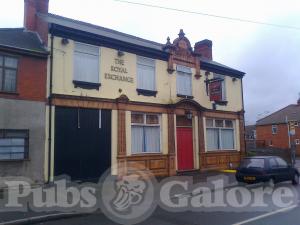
[(274, 129), (23, 75)]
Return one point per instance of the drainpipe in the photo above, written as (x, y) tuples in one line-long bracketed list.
[(50, 110), (242, 89)]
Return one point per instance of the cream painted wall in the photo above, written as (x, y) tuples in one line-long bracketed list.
[(165, 83)]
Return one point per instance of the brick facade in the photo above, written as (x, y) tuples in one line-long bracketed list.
[(278, 140), (31, 79)]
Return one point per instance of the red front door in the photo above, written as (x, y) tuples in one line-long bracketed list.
[(185, 156)]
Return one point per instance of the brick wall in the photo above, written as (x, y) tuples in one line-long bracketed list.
[(279, 140), (31, 80)]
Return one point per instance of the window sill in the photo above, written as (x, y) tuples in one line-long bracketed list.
[(146, 92), (185, 96), (86, 85), (14, 160), (221, 102), (221, 150), (146, 153), (9, 93)]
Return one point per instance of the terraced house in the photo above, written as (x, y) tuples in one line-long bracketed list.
[(134, 104)]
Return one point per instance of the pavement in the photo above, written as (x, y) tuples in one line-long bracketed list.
[(162, 217)]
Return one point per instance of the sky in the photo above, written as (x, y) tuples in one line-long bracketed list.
[(268, 55)]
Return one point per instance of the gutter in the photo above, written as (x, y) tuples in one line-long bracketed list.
[(50, 109)]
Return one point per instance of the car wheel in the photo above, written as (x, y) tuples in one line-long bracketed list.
[(295, 180)]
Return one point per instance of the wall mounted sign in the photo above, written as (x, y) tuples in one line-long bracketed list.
[(118, 72), (215, 90)]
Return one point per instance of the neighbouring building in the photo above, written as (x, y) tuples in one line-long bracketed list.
[(133, 104), (281, 128), (23, 75), (250, 137)]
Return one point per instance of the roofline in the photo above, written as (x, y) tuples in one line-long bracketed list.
[(24, 51), (273, 114), (91, 38), (221, 70)]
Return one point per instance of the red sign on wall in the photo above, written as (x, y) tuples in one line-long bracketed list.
[(215, 90)]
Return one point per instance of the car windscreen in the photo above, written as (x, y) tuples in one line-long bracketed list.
[(253, 163)]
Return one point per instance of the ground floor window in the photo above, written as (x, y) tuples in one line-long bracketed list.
[(14, 144), (220, 134), (145, 133)]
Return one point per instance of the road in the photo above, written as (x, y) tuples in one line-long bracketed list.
[(279, 216)]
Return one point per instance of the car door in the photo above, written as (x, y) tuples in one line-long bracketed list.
[(273, 170), (284, 172)]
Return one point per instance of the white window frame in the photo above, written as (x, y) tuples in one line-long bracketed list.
[(148, 125), (223, 83), (297, 141), (233, 128), (274, 129), (186, 71), (98, 55), (139, 61)]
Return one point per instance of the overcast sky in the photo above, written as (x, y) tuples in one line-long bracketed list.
[(269, 55)]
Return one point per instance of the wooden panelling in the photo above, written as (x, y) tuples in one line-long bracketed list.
[(219, 160), (157, 164)]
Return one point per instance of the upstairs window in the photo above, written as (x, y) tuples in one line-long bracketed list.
[(274, 129), (8, 73), (219, 76), (145, 133), (86, 63), (220, 134), (184, 80), (145, 74), (14, 144)]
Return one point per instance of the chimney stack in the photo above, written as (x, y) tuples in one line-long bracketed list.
[(32, 22), (204, 48)]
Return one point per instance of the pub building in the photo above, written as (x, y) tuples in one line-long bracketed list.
[(116, 100)]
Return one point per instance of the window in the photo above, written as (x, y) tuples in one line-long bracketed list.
[(219, 76), (8, 73), (274, 129), (220, 134), (273, 163), (281, 162), (297, 142), (145, 133), (146, 74), (86, 64), (253, 163), (184, 80), (14, 144), (270, 143)]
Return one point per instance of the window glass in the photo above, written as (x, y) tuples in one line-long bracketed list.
[(152, 139), (228, 123), (146, 73), (10, 80), (13, 146), (212, 138), (274, 129), (145, 137), (219, 137), (281, 162), (209, 122), (1, 60), (219, 123), (152, 119), (86, 63), (273, 163), (184, 80), (137, 118), (253, 163), (11, 62), (227, 137), (223, 85)]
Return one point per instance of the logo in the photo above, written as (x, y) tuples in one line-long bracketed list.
[(128, 199)]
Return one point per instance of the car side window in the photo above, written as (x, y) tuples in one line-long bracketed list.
[(273, 163), (281, 162)]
